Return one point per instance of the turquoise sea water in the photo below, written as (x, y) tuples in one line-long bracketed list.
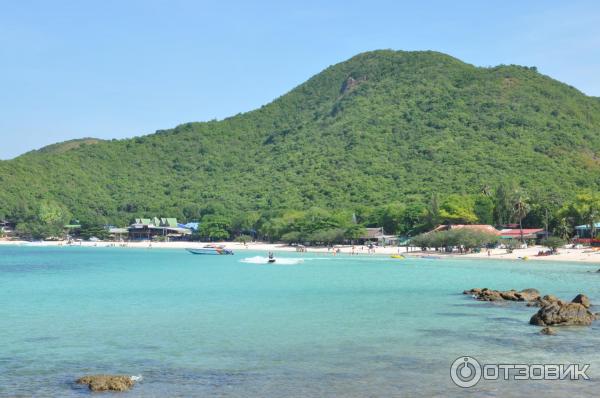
[(327, 326)]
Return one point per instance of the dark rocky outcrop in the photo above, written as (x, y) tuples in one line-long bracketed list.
[(583, 300), (107, 382), (558, 313), (552, 312), (486, 294), (350, 83)]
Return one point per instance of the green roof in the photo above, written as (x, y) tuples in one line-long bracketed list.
[(171, 222), (157, 222)]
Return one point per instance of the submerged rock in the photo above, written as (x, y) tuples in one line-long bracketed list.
[(486, 294), (557, 313), (548, 331), (107, 382)]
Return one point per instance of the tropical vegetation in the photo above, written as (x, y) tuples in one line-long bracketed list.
[(403, 140)]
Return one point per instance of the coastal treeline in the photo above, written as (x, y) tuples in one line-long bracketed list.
[(392, 138), (466, 239), (503, 205)]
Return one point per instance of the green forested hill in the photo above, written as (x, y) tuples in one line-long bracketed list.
[(382, 127)]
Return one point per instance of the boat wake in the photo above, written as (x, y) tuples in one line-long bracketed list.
[(265, 260)]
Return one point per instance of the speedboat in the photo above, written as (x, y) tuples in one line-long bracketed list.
[(211, 250)]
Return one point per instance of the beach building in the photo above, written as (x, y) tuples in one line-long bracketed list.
[(504, 233), (140, 229), (377, 235), (72, 230), (154, 228), (118, 234), (528, 233), (585, 232)]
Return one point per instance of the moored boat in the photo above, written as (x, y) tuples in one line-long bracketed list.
[(211, 250)]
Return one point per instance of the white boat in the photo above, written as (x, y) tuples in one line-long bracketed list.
[(211, 250)]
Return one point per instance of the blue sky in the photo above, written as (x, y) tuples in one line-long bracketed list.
[(114, 69)]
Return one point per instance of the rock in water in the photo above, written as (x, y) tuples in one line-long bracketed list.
[(563, 314), (107, 382), (529, 294), (543, 301), (583, 300), (548, 331), (486, 294)]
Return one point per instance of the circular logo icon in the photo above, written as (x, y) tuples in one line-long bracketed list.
[(465, 372)]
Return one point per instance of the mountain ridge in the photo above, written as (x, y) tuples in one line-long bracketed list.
[(382, 126), (63, 146)]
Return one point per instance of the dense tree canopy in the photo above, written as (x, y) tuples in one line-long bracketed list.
[(400, 139)]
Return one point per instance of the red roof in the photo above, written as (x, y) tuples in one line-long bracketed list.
[(517, 232), (476, 227)]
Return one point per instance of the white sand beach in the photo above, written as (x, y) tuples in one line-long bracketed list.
[(586, 255)]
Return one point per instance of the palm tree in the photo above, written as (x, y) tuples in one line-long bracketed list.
[(562, 228), (503, 202), (521, 208), (588, 206), (433, 212)]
